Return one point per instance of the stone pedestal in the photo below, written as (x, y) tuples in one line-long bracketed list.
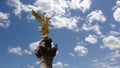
[(46, 52)]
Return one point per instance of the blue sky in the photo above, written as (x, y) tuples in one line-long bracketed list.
[(87, 33)]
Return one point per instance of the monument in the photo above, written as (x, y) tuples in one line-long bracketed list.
[(46, 50)]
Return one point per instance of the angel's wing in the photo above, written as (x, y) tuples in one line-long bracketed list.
[(39, 18)]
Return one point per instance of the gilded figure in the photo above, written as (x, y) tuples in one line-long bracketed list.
[(44, 21)]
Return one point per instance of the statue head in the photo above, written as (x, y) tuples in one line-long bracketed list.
[(44, 13)]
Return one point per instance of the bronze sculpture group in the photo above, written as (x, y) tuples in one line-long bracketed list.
[(44, 21)]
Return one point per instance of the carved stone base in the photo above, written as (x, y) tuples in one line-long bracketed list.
[(45, 52)]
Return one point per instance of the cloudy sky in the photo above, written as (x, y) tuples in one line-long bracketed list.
[(87, 33)]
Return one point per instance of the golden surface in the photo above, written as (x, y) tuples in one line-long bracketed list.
[(44, 21)]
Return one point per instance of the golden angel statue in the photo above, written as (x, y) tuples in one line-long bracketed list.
[(44, 21)]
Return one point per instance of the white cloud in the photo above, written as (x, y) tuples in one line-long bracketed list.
[(106, 63), (109, 61), (116, 13), (115, 33), (71, 54), (63, 22), (102, 65), (27, 52), (33, 46), (114, 55), (15, 50), (83, 5), (19, 7), (112, 42), (95, 28), (52, 7), (96, 15), (30, 66), (118, 2), (81, 50), (60, 65), (19, 51), (58, 9), (4, 15), (4, 20), (95, 60), (113, 26), (37, 62), (66, 65), (91, 39), (86, 27)]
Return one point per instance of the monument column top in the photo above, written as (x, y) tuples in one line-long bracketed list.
[(45, 52)]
